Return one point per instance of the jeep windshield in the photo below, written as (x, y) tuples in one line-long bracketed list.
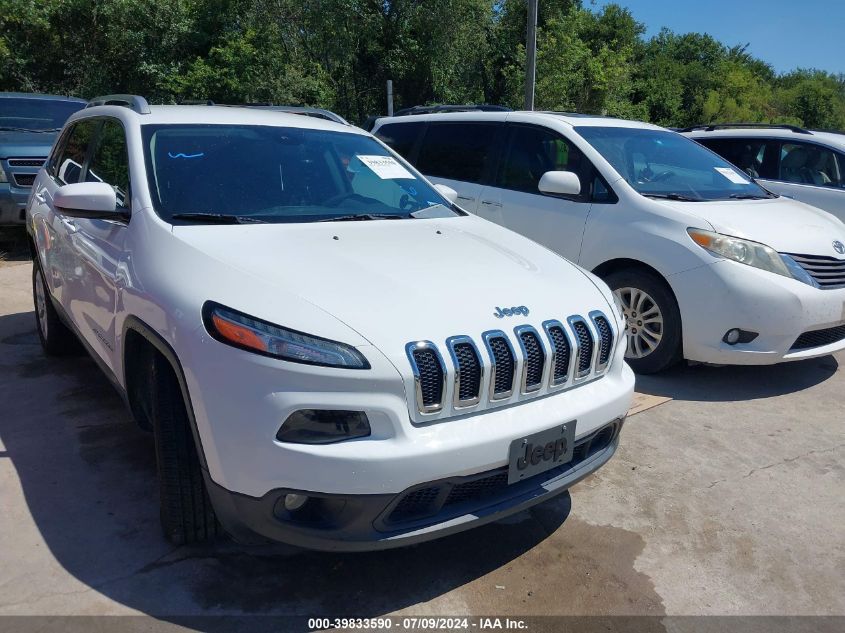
[(217, 174), (20, 114), (662, 164)]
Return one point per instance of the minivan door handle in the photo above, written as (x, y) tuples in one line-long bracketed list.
[(467, 198), (492, 203), (40, 197)]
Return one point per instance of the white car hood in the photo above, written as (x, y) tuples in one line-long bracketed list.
[(786, 225), (397, 281)]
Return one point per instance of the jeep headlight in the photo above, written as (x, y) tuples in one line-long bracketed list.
[(742, 251), (245, 332)]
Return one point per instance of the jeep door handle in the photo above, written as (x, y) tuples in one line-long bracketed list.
[(491, 203)]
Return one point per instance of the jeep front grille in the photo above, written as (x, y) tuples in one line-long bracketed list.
[(828, 272), (563, 354)]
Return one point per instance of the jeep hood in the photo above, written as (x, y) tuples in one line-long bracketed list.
[(397, 281), (786, 225)]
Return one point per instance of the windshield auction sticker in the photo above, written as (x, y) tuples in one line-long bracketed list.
[(731, 175), (385, 167)]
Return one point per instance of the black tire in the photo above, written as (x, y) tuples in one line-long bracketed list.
[(186, 512), (56, 338), (668, 350)]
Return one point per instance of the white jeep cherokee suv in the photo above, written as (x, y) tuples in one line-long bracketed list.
[(329, 352)]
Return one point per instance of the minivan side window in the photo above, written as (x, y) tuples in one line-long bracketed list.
[(534, 151), (401, 137), (754, 156), (110, 162), (71, 161), (458, 151), (810, 164)]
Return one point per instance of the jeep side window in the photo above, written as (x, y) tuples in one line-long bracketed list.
[(110, 162), (810, 164), (401, 138), (533, 151), (458, 151), (72, 159)]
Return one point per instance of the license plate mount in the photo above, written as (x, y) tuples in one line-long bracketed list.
[(539, 452)]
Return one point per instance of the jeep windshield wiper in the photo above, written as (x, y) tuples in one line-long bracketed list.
[(5, 128), (673, 196), (364, 216), (217, 218)]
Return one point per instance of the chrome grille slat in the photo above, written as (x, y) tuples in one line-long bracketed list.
[(533, 358), (502, 364), (584, 339), (605, 342), (560, 345), (429, 375), (469, 371)]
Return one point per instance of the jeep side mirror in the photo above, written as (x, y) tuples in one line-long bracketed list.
[(560, 183), (92, 200), (447, 192)]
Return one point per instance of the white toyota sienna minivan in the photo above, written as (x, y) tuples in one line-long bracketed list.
[(706, 264), (330, 353)]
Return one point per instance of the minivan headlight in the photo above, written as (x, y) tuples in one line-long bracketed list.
[(254, 335), (742, 251)]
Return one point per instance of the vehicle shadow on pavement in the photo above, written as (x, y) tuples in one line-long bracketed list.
[(703, 383), (88, 479)]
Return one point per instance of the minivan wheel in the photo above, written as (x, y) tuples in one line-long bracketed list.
[(652, 320), (56, 338), (186, 512)]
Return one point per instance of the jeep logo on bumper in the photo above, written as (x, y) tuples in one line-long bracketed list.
[(501, 313)]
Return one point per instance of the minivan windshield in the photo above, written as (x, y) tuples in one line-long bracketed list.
[(664, 164), (35, 115), (250, 173)]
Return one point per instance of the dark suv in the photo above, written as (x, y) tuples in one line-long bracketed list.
[(28, 126)]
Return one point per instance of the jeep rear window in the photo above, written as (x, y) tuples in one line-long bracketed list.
[(36, 114), (280, 174)]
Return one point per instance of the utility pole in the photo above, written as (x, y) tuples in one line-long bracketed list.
[(531, 54), (389, 97)]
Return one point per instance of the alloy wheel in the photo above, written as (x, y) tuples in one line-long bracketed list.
[(643, 321)]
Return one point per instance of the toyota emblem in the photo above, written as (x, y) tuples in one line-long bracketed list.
[(839, 247)]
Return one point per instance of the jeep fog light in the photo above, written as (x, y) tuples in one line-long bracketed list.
[(294, 502), (319, 426)]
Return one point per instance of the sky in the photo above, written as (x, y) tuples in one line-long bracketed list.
[(787, 34)]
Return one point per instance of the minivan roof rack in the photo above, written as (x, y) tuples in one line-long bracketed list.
[(133, 102), (710, 127), (432, 109)]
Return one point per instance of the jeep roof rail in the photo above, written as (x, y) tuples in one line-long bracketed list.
[(432, 109), (710, 127), (133, 102)]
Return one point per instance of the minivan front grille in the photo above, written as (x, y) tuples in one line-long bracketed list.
[(819, 338), (828, 272), (560, 345)]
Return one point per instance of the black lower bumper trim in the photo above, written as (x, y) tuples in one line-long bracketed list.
[(357, 522)]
